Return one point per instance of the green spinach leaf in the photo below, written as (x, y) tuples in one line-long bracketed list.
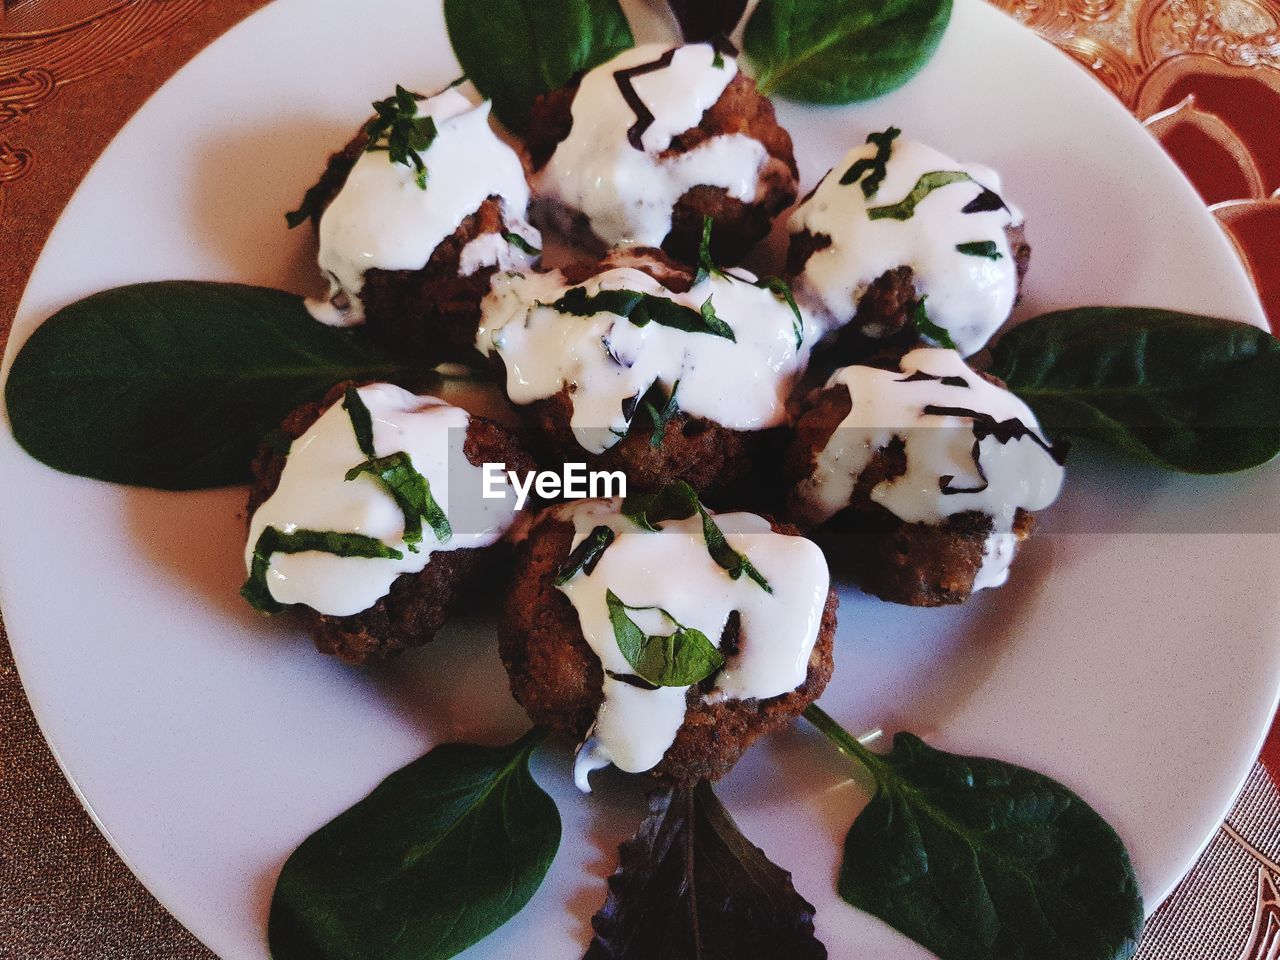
[(1186, 392), (690, 886), (839, 51), (976, 859), (514, 50), (439, 855), (174, 384)]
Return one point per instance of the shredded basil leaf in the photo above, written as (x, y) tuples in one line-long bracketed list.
[(309, 209), (521, 244), (679, 659), (643, 308), (659, 417), (980, 248), (706, 266), (905, 208), (782, 290), (586, 555), (412, 492), (928, 328), (361, 420), (399, 130), (718, 61), (871, 170), (714, 323), (678, 501), (273, 541)]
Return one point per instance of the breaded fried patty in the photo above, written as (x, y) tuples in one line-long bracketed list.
[(927, 488), (715, 460), (740, 224), (917, 564), (881, 318), (431, 312), (418, 604), (557, 677)]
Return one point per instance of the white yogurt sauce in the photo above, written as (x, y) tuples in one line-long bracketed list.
[(970, 296), (673, 570), (606, 359), (1019, 472), (627, 193), (313, 495), (382, 219)]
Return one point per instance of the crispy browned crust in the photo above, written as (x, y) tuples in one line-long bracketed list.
[(739, 225), (711, 458), (418, 604), (557, 678), (917, 564), (882, 316), (433, 312)]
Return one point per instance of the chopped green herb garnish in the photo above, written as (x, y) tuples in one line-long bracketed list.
[(643, 308), (782, 290), (706, 266), (928, 328), (678, 501), (272, 541), (361, 420), (871, 170), (679, 659), (584, 557), (521, 244), (714, 323), (309, 209), (660, 416), (399, 130), (718, 61), (412, 492), (905, 208), (980, 248)]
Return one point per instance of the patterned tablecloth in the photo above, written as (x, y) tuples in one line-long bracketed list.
[(1203, 75)]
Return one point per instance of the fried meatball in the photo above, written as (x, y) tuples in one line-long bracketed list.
[(641, 149), (640, 396), (953, 525), (417, 278), (417, 604), (558, 678), (933, 240)]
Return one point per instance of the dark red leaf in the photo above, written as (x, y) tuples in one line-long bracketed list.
[(690, 885), (704, 19)]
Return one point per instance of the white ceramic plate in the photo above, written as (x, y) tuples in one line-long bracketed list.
[(1134, 655)]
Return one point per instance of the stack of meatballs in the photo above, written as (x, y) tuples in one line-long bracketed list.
[(834, 399)]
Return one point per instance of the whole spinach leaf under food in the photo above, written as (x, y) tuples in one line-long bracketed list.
[(690, 885), (174, 384), (1187, 392), (839, 51), (513, 50), (439, 855), (976, 859)]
